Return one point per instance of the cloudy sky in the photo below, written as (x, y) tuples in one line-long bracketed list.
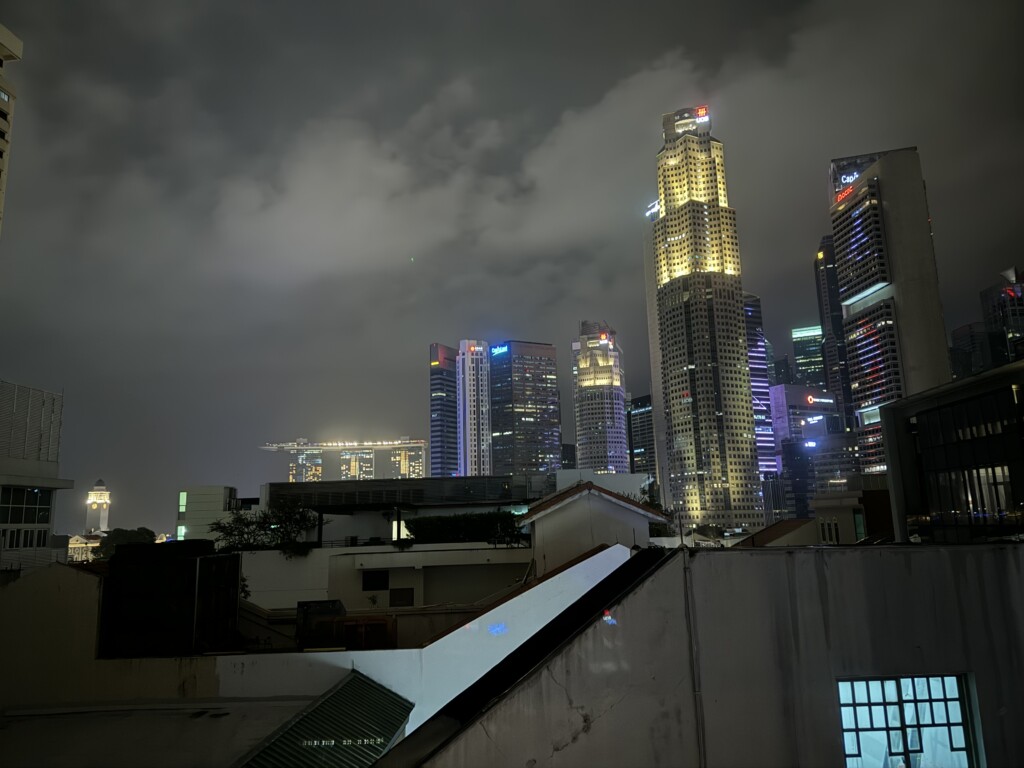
[(246, 224)]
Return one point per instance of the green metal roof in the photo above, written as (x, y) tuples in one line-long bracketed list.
[(350, 726)]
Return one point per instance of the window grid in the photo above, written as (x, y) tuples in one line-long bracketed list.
[(907, 715)]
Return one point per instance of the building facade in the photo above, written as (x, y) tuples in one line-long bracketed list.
[(807, 358), (312, 462), (1002, 308), (30, 424), (525, 418), (833, 338), (444, 412), (974, 349), (640, 428), (700, 368), (888, 286), (599, 400), (473, 395), (10, 50)]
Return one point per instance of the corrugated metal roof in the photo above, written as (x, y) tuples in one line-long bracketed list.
[(349, 727)]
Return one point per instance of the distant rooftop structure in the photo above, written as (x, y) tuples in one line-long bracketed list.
[(313, 461)]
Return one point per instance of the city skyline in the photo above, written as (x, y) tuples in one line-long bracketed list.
[(275, 313)]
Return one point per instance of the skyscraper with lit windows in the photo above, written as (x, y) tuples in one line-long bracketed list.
[(888, 286), (525, 415), (810, 367), (833, 343), (473, 393), (599, 400), (444, 412), (700, 367)]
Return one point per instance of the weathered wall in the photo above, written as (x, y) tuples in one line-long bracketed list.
[(582, 524), (773, 630), (48, 646), (275, 581)]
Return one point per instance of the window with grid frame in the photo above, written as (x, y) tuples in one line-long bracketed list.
[(907, 722)]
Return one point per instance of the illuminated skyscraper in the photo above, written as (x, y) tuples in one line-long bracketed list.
[(700, 370), (833, 344), (10, 50), (810, 367), (888, 286), (759, 383), (640, 426), (473, 392), (1002, 308), (599, 400), (525, 418), (444, 412), (97, 508)]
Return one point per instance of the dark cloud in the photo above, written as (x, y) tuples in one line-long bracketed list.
[(238, 224)]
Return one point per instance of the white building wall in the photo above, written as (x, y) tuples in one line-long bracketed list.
[(582, 524)]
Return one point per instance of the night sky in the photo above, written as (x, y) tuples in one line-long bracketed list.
[(233, 226)]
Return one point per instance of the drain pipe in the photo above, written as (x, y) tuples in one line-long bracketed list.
[(698, 699)]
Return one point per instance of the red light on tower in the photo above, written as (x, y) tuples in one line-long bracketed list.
[(701, 111), (844, 194)]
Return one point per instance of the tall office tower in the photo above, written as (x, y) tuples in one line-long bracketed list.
[(526, 428), (568, 456), (473, 394), (704, 416), (444, 412), (759, 383), (599, 400), (97, 508), (769, 355), (833, 344), (974, 350), (1002, 311), (640, 428), (888, 285), (10, 50), (810, 367)]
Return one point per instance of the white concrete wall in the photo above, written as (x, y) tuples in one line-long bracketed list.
[(432, 676), (275, 581), (582, 524), (772, 630)]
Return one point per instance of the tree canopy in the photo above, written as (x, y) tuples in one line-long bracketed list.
[(279, 527), (122, 536)]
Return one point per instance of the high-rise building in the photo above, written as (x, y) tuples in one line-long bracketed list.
[(833, 344), (599, 399), (526, 428), (704, 417), (974, 350), (568, 456), (783, 371), (1002, 311), (810, 368), (759, 383), (473, 395), (10, 50), (313, 462), (444, 412), (888, 286), (640, 428), (97, 508)]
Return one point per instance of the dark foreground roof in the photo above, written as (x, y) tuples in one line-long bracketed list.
[(348, 727)]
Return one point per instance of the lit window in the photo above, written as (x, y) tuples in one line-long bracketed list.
[(908, 721)]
